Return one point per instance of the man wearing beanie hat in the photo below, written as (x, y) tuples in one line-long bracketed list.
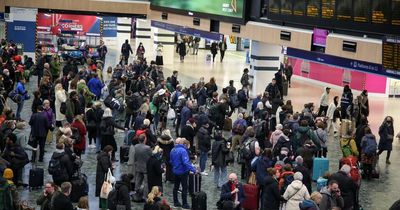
[(303, 170), (347, 186), (296, 192)]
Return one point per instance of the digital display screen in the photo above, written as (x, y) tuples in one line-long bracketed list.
[(380, 11), (286, 7), (274, 6), (229, 8), (313, 8), (344, 9), (396, 12), (299, 7), (328, 9), (362, 10), (319, 37), (391, 54)]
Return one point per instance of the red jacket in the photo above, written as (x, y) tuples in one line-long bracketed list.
[(82, 132)]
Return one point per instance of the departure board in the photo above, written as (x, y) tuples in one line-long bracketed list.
[(396, 12), (391, 54), (286, 7), (314, 8), (328, 9), (299, 7), (274, 6), (380, 11), (362, 10), (344, 9)]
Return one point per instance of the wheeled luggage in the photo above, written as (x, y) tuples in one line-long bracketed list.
[(194, 183), (252, 196), (320, 166), (199, 201), (36, 178)]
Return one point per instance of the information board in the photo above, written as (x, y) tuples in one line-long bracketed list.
[(344, 9), (396, 12), (328, 9), (380, 11), (299, 7), (362, 10), (391, 54), (314, 8)]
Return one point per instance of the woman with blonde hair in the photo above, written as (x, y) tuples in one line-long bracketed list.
[(80, 140), (155, 169), (153, 199), (83, 203)]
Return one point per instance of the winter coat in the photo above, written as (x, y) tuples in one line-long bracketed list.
[(271, 195), (182, 49), (179, 159), (204, 140), (95, 86), (218, 152), (82, 134), (123, 194), (188, 133), (348, 188), (275, 137), (22, 139), (142, 155), (109, 121), (306, 176), (49, 115), (45, 201), (226, 192), (186, 114), (103, 164), (19, 159), (322, 136), (328, 201), (154, 171), (331, 111), (263, 163), (201, 97), (302, 134), (166, 144), (60, 97), (67, 167), (386, 137), (61, 202), (39, 125), (353, 146), (295, 193)]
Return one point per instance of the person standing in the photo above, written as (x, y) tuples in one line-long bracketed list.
[(204, 142), (296, 192), (346, 101), (102, 51), (107, 126), (103, 164), (289, 73), (126, 50), (181, 166), (271, 196), (214, 50), (279, 82), (244, 80), (24, 96), (155, 169), (140, 51), (61, 200), (159, 57), (182, 50), (364, 103), (196, 43), (44, 199), (220, 148), (39, 128), (330, 114), (222, 48), (66, 165), (142, 155), (61, 97), (324, 102), (79, 146), (95, 85), (348, 188), (49, 113), (331, 197), (233, 192), (368, 152), (386, 132), (16, 156)]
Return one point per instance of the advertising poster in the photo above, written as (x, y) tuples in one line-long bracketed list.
[(69, 23), (110, 26), (229, 8)]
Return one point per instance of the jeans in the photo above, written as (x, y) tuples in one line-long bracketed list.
[(203, 160), (181, 180), (220, 175), (98, 144), (19, 109)]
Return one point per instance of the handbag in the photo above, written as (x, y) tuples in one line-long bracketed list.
[(107, 185), (23, 205), (171, 114)]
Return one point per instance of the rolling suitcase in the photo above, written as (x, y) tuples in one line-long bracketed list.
[(124, 153), (252, 196), (199, 201), (228, 124), (194, 183), (320, 166), (36, 178), (80, 187)]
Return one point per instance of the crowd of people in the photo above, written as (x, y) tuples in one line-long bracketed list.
[(275, 146)]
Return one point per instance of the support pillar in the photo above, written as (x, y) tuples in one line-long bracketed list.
[(143, 35), (264, 63), (167, 39)]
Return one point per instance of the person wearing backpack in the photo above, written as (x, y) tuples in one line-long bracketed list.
[(323, 138), (304, 133), (60, 165), (386, 132), (368, 152), (16, 156), (120, 194), (286, 177), (80, 143), (348, 146)]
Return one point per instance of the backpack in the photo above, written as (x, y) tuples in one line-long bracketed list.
[(112, 199), (242, 95), (247, 149), (370, 146), (106, 129), (281, 162), (6, 200), (55, 168), (259, 126), (234, 100), (134, 102), (346, 149), (354, 167), (163, 108)]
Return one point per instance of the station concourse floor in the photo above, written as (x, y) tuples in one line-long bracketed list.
[(374, 195)]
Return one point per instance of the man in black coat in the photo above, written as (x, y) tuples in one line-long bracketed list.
[(347, 186), (39, 126), (67, 166), (273, 90), (16, 156), (204, 143), (61, 200), (188, 132), (303, 170)]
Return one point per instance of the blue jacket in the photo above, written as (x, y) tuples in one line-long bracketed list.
[(21, 90), (226, 192), (261, 169), (186, 114), (95, 86), (179, 159), (255, 102)]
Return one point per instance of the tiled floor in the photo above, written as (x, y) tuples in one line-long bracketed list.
[(375, 195)]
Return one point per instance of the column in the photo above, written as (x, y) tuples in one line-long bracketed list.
[(143, 35), (167, 39), (264, 63)]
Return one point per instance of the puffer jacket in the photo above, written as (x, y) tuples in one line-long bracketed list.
[(204, 140), (218, 152), (179, 159), (295, 194)]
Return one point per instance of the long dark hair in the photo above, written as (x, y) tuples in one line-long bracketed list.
[(336, 100)]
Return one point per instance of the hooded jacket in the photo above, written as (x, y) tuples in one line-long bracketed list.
[(103, 164), (271, 195), (295, 194), (302, 134), (204, 140), (66, 165), (179, 159), (218, 152)]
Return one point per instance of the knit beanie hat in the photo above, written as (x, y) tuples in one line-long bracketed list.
[(8, 173)]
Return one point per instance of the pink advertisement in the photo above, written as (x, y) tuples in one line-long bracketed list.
[(339, 76)]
